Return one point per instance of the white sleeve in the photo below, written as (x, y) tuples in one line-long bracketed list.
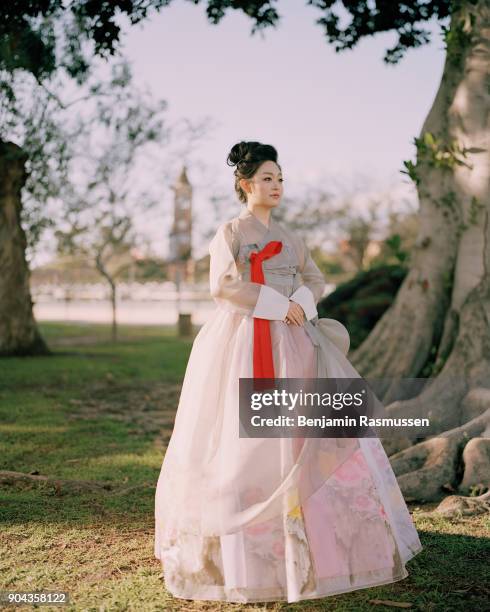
[(271, 304), (305, 298)]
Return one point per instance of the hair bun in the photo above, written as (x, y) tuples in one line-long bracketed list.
[(238, 153)]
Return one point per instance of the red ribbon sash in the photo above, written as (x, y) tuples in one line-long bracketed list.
[(262, 349)]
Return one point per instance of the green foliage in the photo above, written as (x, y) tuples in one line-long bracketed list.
[(360, 302), (436, 359), (394, 243), (27, 36), (448, 281), (411, 170), (41, 36), (475, 208), (329, 266), (432, 366), (369, 18), (458, 38), (39, 129), (437, 152), (448, 201), (476, 490), (150, 269)]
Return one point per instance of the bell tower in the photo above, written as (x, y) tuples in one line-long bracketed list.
[(181, 264)]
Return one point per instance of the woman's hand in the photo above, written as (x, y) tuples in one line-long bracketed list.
[(295, 314)]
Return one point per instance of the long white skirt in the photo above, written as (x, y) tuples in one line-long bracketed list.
[(271, 519)]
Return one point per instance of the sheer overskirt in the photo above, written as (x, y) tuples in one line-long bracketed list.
[(212, 481)]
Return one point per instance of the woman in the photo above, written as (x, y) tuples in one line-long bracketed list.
[(268, 519)]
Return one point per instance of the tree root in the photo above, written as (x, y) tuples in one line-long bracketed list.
[(428, 469), (60, 484), (69, 486), (474, 403), (63, 486), (476, 460), (457, 506)]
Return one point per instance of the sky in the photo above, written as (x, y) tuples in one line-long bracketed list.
[(333, 117)]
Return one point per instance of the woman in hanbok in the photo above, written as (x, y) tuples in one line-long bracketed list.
[(242, 519)]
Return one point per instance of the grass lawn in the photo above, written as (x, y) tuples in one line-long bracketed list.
[(103, 412)]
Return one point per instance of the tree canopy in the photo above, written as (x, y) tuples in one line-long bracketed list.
[(40, 36)]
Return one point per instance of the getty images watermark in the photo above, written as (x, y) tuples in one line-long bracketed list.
[(328, 408)]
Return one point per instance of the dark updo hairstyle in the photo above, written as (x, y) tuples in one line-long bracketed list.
[(248, 157)]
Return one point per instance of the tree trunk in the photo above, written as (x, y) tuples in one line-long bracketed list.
[(441, 313), (19, 334), (101, 267), (113, 307)]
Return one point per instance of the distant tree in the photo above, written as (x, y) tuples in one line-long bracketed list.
[(325, 219), (103, 199), (106, 242)]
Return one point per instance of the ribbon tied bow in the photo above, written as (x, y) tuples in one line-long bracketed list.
[(263, 363)]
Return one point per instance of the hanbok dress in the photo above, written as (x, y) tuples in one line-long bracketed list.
[(271, 519)]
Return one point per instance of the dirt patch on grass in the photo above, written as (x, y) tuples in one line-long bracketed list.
[(150, 408)]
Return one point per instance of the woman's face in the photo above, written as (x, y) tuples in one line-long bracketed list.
[(265, 187)]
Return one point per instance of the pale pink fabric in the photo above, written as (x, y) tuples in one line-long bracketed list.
[(268, 519)]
